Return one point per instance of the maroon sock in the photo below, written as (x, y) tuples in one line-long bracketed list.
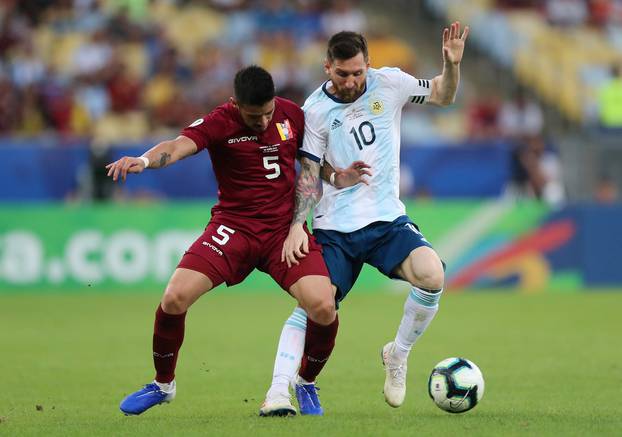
[(319, 343), (168, 335)]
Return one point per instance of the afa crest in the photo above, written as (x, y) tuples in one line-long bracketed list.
[(376, 106)]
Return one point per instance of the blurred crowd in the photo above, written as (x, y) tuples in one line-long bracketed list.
[(536, 168), (603, 17), (572, 12), (121, 70)]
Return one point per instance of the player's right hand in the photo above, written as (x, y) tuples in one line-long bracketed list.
[(354, 174), (123, 166), (296, 245)]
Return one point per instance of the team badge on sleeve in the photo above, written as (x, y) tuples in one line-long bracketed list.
[(285, 130)]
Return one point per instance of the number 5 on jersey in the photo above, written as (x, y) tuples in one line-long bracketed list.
[(273, 166), (225, 233)]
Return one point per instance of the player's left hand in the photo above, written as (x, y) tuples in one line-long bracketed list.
[(347, 177), (296, 245), (453, 43)]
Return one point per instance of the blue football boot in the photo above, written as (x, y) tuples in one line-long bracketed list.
[(145, 398), (308, 400)]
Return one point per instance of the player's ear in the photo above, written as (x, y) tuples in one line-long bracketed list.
[(326, 66)]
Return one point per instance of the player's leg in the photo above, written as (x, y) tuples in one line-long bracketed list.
[(340, 258), (316, 295), (340, 255), (307, 282), (183, 289), (207, 263), (407, 255), (311, 328), (289, 352), (424, 270)]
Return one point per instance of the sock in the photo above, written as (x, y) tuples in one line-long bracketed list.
[(168, 335), (319, 343), (166, 387), (289, 352), (303, 381), (419, 310)]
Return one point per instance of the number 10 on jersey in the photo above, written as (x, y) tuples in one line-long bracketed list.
[(364, 135)]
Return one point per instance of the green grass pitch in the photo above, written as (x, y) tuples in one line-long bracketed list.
[(552, 364)]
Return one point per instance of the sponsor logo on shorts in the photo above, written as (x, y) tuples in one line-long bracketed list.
[(415, 230), (211, 246)]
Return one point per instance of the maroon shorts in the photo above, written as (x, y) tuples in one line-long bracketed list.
[(225, 254)]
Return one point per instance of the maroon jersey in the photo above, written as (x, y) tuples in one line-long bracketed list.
[(255, 171)]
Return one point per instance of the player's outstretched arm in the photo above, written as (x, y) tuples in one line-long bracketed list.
[(308, 194), (345, 177), (445, 85), (159, 156)]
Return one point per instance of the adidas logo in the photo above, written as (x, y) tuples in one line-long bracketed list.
[(336, 123)]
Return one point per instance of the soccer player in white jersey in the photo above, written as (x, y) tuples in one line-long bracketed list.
[(355, 116)]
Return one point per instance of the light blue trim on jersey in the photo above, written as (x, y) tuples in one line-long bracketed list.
[(424, 298), (298, 319)]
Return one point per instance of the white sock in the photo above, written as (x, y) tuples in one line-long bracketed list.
[(166, 387), (289, 352), (419, 310)]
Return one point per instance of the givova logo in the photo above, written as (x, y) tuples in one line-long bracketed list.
[(242, 139), (91, 257)]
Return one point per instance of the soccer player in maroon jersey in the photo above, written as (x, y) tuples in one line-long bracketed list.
[(253, 141)]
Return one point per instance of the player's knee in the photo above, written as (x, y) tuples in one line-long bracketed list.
[(322, 311), (428, 271), (174, 301), (432, 277)]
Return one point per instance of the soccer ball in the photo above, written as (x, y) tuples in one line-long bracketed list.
[(456, 385)]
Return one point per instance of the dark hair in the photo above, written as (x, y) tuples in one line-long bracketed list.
[(346, 45), (253, 86)]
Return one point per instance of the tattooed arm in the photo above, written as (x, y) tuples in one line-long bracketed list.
[(159, 156), (308, 193), (308, 189)]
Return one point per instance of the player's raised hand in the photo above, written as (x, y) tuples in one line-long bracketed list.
[(125, 165), (453, 42), (296, 245), (354, 174)]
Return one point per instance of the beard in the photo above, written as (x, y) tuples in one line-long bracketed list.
[(350, 95)]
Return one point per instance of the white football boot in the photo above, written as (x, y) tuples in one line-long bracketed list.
[(395, 380), (277, 404)]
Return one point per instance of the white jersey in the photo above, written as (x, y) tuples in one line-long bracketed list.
[(367, 129)]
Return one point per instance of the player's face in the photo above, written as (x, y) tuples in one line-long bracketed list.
[(348, 76), (257, 118)]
